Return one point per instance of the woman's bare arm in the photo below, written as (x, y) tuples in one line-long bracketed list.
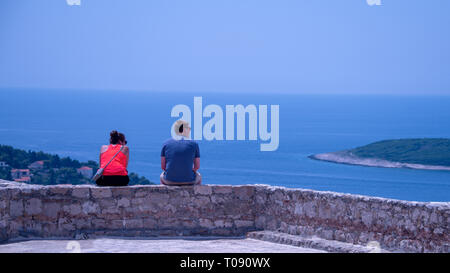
[(126, 151), (102, 150)]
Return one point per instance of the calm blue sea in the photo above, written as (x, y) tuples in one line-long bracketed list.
[(76, 123)]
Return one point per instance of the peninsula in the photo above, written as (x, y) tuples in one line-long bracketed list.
[(418, 153)]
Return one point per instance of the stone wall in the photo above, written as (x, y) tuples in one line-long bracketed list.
[(73, 211), (68, 211), (396, 225)]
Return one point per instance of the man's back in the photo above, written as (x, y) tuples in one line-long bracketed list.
[(180, 155)]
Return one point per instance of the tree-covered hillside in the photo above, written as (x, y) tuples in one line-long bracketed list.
[(21, 159), (427, 151), (57, 170)]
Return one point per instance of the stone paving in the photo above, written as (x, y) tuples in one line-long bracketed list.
[(157, 245)]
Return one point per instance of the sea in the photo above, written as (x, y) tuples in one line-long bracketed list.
[(76, 123)]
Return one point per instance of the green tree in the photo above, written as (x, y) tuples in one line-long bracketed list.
[(5, 173), (135, 179)]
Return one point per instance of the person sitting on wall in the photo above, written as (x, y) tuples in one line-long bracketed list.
[(117, 154), (180, 158)]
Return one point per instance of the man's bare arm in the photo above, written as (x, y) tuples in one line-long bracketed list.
[(163, 163), (196, 164)]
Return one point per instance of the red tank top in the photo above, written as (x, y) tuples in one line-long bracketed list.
[(117, 165)]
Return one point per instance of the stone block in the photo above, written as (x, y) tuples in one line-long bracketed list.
[(223, 223), (143, 192), (206, 223), (221, 232), (222, 189), (203, 190), (33, 206), (244, 192), (243, 223), (66, 224), (52, 209), (367, 218), (73, 209), (107, 203), (260, 222), (150, 223), (16, 208), (123, 202), (3, 224), (158, 198), (3, 205), (309, 209), (125, 192), (201, 201), (133, 223), (82, 223), (298, 209), (60, 189), (81, 193), (99, 193), (100, 224), (90, 207)]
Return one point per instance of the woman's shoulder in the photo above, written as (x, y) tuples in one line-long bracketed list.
[(104, 148)]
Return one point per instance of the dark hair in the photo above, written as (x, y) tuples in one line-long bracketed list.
[(115, 137), (180, 130)]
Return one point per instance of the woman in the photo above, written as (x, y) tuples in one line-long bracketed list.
[(115, 174)]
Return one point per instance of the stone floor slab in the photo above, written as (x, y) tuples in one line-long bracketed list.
[(156, 245)]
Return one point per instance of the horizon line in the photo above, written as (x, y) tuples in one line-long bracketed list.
[(281, 92)]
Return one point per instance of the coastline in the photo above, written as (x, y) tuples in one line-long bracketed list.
[(346, 157)]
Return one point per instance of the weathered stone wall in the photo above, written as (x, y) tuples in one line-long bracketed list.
[(394, 224), (65, 211), (71, 211)]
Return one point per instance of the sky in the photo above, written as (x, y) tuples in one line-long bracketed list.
[(271, 46)]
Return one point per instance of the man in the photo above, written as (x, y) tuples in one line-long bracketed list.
[(180, 158)]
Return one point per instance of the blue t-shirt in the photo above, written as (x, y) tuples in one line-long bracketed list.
[(180, 156)]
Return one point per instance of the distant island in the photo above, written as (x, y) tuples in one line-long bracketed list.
[(418, 153), (46, 169)]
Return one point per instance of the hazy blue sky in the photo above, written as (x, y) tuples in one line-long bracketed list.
[(304, 46)]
